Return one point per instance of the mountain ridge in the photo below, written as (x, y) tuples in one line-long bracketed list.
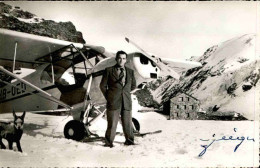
[(228, 79), (14, 18)]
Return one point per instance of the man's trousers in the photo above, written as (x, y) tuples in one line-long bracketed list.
[(112, 120)]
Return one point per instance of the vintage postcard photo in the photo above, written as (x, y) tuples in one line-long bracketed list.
[(129, 84)]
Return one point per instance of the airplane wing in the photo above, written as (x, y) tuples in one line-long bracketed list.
[(27, 49), (180, 65)]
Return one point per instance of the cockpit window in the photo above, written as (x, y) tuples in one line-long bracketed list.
[(67, 78)]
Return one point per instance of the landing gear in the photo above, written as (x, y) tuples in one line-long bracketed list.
[(136, 125), (74, 130)]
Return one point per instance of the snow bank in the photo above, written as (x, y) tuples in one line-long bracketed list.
[(179, 144)]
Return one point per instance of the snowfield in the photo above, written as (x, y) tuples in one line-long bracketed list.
[(179, 144)]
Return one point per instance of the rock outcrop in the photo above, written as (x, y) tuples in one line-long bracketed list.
[(14, 18)]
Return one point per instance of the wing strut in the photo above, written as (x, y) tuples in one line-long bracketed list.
[(87, 96), (50, 97), (52, 70), (15, 49), (81, 53), (90, 78)]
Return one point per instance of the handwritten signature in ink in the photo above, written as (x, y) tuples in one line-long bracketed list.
[(224, 138)]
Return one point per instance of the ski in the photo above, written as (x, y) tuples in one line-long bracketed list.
[(147, 133)]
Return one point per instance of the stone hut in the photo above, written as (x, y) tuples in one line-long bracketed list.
[(182, 107)]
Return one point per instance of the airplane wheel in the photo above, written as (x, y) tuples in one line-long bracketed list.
[(136, 125), (74, 130)]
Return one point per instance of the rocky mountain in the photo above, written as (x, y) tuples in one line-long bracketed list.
[(14, 18), (228, 81)]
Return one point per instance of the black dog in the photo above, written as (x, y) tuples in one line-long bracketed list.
[(12, 132)]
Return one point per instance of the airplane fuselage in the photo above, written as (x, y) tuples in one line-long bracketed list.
[(20, 97)]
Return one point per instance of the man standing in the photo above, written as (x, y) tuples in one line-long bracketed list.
[(116, 84)]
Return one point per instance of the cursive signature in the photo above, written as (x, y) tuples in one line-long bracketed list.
[(225, 138)]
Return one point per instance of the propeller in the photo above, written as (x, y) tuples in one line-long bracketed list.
[(163, 67)]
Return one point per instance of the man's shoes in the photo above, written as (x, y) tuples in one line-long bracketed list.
[(129, 143), (109, 145)]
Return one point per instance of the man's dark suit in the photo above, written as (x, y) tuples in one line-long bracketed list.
[(118, 98)]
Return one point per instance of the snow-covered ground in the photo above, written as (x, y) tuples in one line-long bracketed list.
[(179, 144)]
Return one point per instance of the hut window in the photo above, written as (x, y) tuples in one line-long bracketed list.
[(187, 99), (191, 107), (184, 107), (180, 99), (177, 106)]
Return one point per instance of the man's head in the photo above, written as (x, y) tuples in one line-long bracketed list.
[(121, 58)]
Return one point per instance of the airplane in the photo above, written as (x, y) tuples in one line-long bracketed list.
[(65, 77)]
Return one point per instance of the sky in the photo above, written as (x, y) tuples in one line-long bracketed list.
[(166, 29)]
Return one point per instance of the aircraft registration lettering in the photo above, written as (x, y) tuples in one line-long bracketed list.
[(12, 91), (2, 94)]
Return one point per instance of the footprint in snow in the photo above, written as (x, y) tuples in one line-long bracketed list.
[(181, 151)]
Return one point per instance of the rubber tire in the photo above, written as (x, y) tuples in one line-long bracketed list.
[(136, 124), (77, 127)]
